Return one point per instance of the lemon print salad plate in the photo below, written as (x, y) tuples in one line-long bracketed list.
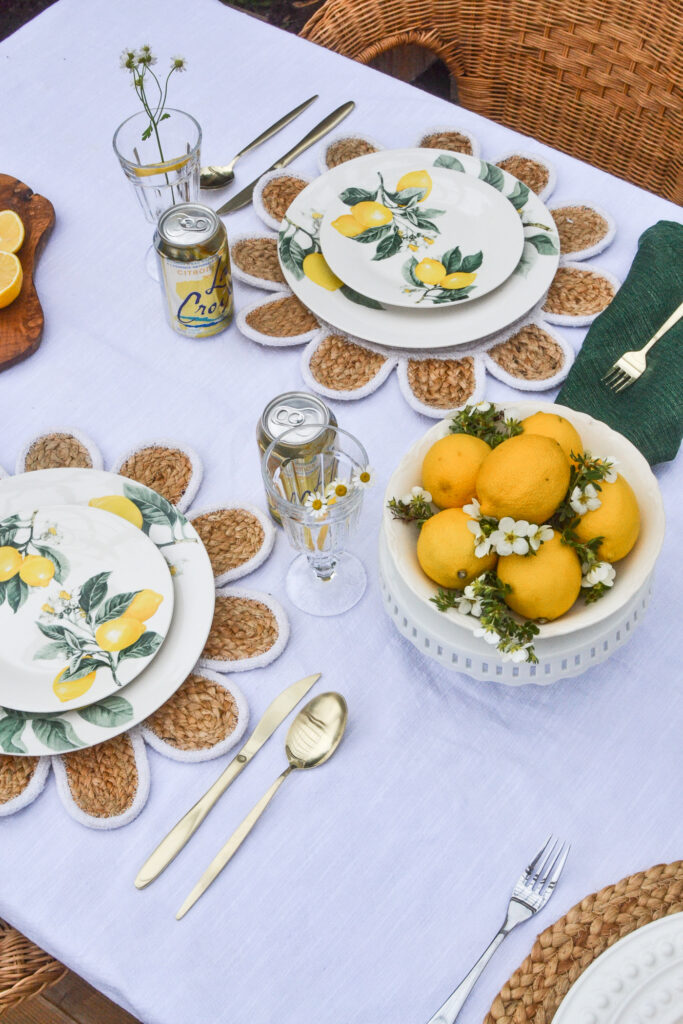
[(134, 567), (408, 236), (86, 600), (337, 300)]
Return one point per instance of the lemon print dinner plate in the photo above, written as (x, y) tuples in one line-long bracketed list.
[(409, 236), (86, 600), (442, 325), (170, 562)]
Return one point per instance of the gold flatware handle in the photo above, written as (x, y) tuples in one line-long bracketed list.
[(275, 128), (232, 846), (315, 134)]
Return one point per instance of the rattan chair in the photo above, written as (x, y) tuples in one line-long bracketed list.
[(25, 970), (599, 79)]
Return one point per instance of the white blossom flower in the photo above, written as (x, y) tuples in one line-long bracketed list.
[(538, 535), (416, 492), (178, 64), (469, 603), (611, 474), (520, 655), (127, 59), (145, 56), (510, 537), (316, 503), (482, 543), (603, 572), (584, 501), (364, 477), (482, 406), (489, 635), (473, 510), (336, 489)]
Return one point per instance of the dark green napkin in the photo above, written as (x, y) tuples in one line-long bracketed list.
[(650, 412)]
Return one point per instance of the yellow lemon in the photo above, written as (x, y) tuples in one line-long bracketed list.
[(118, 633), (36, 570), (347, 226), (316, 270), (457, 280), (119, 506), (11, 231), (10, 562), (144, 605), (525, 477), (450, 468), (550, 424), (430, 271), (416, 179), (371, 214), (445, 550), (72, 688), (617, 520), (11, 277), (544, 585)]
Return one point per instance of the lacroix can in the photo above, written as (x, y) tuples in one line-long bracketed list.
[(194, 268)]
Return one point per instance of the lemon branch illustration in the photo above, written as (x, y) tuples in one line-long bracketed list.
[(93, 630), (449, 279), (25, 562), (145, 509)]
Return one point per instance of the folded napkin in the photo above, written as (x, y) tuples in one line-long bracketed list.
[(650, 412)]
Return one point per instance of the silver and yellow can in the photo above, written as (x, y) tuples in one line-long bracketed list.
[(306, 419), (194, 268)]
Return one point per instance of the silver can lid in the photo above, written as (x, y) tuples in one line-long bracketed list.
[(295, 409), (187, 224)]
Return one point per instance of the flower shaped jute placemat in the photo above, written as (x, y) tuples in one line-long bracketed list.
[(107, 785), (563, 951), (529, 356)]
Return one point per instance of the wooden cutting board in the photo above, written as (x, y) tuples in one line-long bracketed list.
[(22, 322)]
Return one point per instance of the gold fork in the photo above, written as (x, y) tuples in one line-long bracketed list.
[(629, 367)]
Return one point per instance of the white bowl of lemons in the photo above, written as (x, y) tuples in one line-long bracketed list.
[(524, 480)]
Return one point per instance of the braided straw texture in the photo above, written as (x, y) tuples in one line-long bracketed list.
[(594, 78), (103, 780), (455, 141), (282, 318), (280, 193), (166, 470), (347, 149), (341, 365), (442, 383), (564, 950), (531, 354), (56, 450), (241, 628), (576, 292), (579, 227), (533, 174), (258, 257), (25, 970), (199, 715), (231, 537), (15, 775)]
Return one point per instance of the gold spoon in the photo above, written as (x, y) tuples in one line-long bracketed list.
[(313, 737)]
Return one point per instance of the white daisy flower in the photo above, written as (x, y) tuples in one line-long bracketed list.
[(473, 510), (316, 503), (416, 492), (603, 572), (127, 59), (538, 535), (511, 537), (145, 56), (489, 635), (584, 501), (364, 477), (336, 489), (482, 406), (178, 64)]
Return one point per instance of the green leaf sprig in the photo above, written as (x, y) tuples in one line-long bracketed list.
[(486, 422), (589, 558), (417, 510)]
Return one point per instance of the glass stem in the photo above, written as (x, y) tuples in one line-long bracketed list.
[(323, 567)]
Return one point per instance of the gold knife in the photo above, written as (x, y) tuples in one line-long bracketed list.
[(243, 198), (179, 835)]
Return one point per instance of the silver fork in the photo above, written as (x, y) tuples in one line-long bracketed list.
[(629, 367), (531, 893)]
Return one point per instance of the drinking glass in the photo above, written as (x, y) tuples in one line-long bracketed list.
[(324, 579)]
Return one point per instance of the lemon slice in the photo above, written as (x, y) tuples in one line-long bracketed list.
[(11, 276), (147, 170), (11, 231)]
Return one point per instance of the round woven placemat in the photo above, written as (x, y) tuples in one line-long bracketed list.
[(103, 780), (533, 174), (25, 970), (198, 716), (579, 227), (258, 257), (564, 950), (231, 537), (282, 318), (55, 451), (441, 383), (279, 193), (453, 140), (530, 354), (341, 365), (15, 775), (347, 149), (241, 628), (575, 292), (165, 470)]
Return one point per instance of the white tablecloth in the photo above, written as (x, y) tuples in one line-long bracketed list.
[(374, 882)]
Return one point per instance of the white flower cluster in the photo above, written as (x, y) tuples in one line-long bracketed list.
[(602, 572), (416, 492), (491, 637), (318, 502), (586, 499), (469, 603), (513, 537)]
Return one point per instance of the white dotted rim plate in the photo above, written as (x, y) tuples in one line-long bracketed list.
[(639, 980)]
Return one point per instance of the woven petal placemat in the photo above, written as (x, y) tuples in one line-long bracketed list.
[(538, 175), (238, 538), (564, 950), (59, 449), (205, 717), (455, 139), (578, 294), (254, 260), (169, 469), (249, 630), (347, 147)]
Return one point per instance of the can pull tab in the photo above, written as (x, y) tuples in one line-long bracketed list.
[(288, 417), (193, 223)]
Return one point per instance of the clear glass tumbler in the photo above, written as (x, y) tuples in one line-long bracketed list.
[(319, 496), (164, 168)]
